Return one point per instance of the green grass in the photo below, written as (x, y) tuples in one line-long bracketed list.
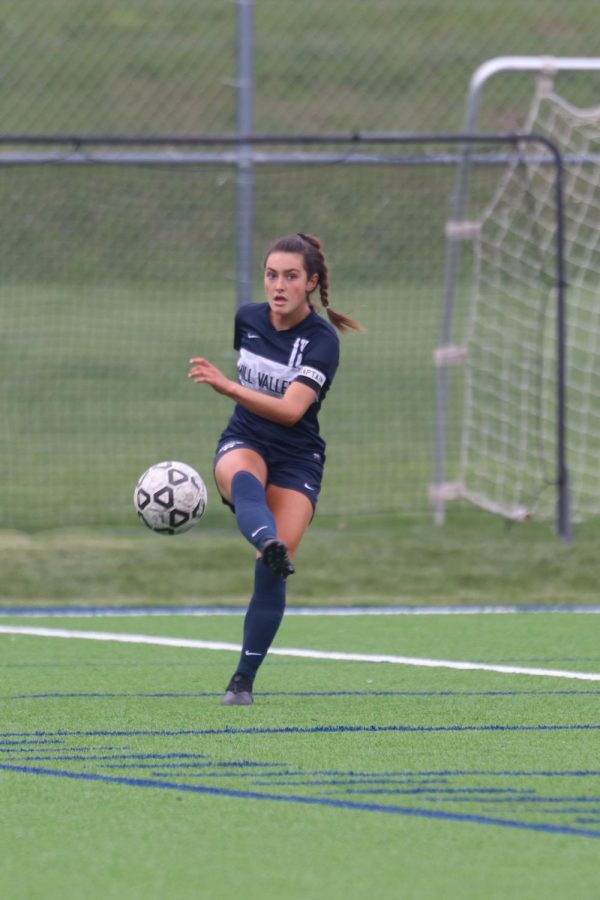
[(424, 780), (474, 559)]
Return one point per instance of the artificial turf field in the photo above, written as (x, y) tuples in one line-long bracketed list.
[(122, 776)]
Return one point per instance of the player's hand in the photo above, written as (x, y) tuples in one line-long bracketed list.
[(204, 372)]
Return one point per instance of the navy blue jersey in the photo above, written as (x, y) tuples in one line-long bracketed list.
[(269, 360)]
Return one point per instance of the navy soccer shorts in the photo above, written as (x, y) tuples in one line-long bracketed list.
[(301, 472)]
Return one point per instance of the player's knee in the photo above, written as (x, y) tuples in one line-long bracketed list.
[(228, 466)]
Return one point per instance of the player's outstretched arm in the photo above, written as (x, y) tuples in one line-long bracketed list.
[(286, 410)]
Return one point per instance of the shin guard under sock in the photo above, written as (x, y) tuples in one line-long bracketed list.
[(254, 518), (263, 618)]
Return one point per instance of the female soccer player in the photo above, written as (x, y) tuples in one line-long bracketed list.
[(269, 460)]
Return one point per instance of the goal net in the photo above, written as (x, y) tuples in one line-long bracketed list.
[(508, 460)]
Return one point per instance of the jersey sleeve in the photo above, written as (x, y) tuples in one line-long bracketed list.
[(320, 363)]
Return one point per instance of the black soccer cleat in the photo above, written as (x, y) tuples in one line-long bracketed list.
[(275, 557), (239, 692)]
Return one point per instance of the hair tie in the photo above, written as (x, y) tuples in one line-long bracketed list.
[(300, 235)]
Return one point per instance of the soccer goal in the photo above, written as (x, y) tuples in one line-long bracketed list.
[(511, 461)]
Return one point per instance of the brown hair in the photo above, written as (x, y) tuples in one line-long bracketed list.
[(309, 248)]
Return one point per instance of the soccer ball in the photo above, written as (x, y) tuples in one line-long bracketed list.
[(170, 497)]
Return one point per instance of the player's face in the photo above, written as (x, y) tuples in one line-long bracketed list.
[(287, 287)]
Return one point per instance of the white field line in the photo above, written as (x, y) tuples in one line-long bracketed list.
[(290, 651)]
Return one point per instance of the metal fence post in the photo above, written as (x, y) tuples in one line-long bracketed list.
[(245, 168)]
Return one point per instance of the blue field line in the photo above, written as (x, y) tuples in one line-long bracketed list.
[(282, 770), (165, 695), (202, 768), (573, 811), (400, 778), (275, 777), (25, 748), (449, 795), (306, 801), (316, 729), (85, 611), (476, 798), (80, 757), (390, 786), (434, 777)]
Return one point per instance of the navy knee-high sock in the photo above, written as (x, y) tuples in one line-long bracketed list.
[(254, 518), (263, 618)]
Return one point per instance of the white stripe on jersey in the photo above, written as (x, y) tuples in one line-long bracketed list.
[(270, 377), (263, 374)]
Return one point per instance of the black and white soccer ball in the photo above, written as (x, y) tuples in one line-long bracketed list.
[(170, 497)]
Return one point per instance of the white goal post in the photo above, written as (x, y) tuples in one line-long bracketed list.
[(512, 459)]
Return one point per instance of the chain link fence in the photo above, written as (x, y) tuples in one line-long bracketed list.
[(100, 261), (96, 66)]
